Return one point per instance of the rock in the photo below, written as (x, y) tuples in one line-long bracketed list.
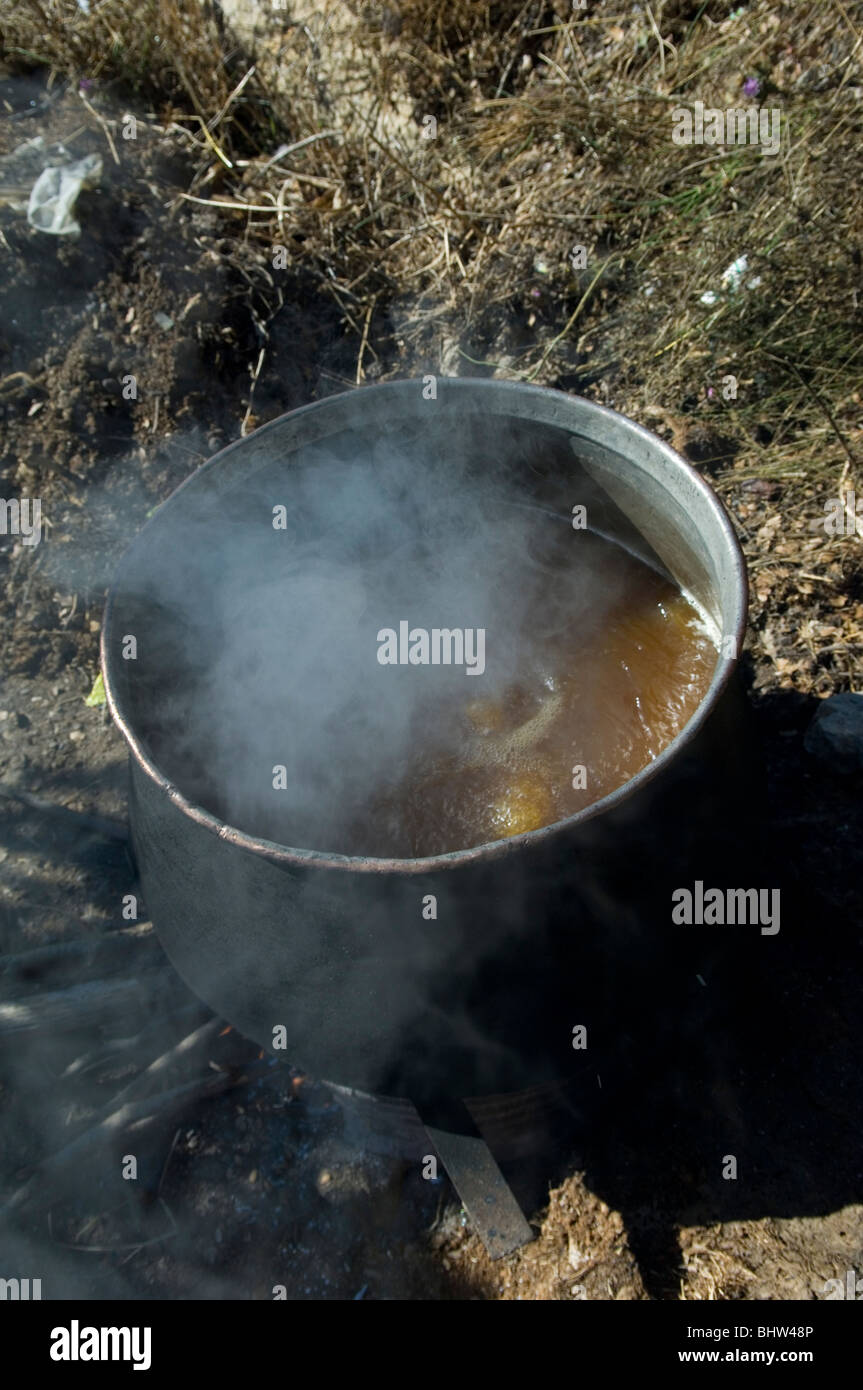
[(835, 736), (283, 39)]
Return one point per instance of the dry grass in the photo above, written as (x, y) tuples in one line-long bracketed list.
[(453, 253), (151, 47)]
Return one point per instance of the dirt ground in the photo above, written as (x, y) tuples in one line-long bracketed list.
[(259, 1187)]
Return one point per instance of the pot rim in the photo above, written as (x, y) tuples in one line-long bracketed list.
[(297, 858)]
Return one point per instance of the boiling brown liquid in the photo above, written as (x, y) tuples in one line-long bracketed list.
[(606, 696)]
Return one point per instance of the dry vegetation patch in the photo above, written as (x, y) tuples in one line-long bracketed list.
[(433, 167)]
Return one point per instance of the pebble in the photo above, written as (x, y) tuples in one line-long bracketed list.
[(835, 735)]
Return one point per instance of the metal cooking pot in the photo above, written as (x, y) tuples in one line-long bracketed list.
[(565, 925)]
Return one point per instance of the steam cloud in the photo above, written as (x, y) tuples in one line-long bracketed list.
[(274, 629)]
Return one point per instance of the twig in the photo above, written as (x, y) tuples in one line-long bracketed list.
[(570, 321), (165, 1166), (143, 1084), (210, 141), (440, 197), (694, 328), (25, 381), (817, 398), (284, 150), (126, 949), (104, 124), (219, 116), (365, 339), (234, 207), (116, 1048), (255, 374), (83, 1005), (137, 1118), (660, 40)]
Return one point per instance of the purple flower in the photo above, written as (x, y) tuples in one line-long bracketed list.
[(85, 84), (751, 87)]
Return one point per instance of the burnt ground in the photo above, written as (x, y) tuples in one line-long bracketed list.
[(258, 1186)]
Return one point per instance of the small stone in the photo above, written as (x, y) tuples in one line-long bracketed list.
[(762, 487), (576, 1258), (835, 735)]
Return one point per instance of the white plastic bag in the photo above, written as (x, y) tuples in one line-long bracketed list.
[(53, 195)]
